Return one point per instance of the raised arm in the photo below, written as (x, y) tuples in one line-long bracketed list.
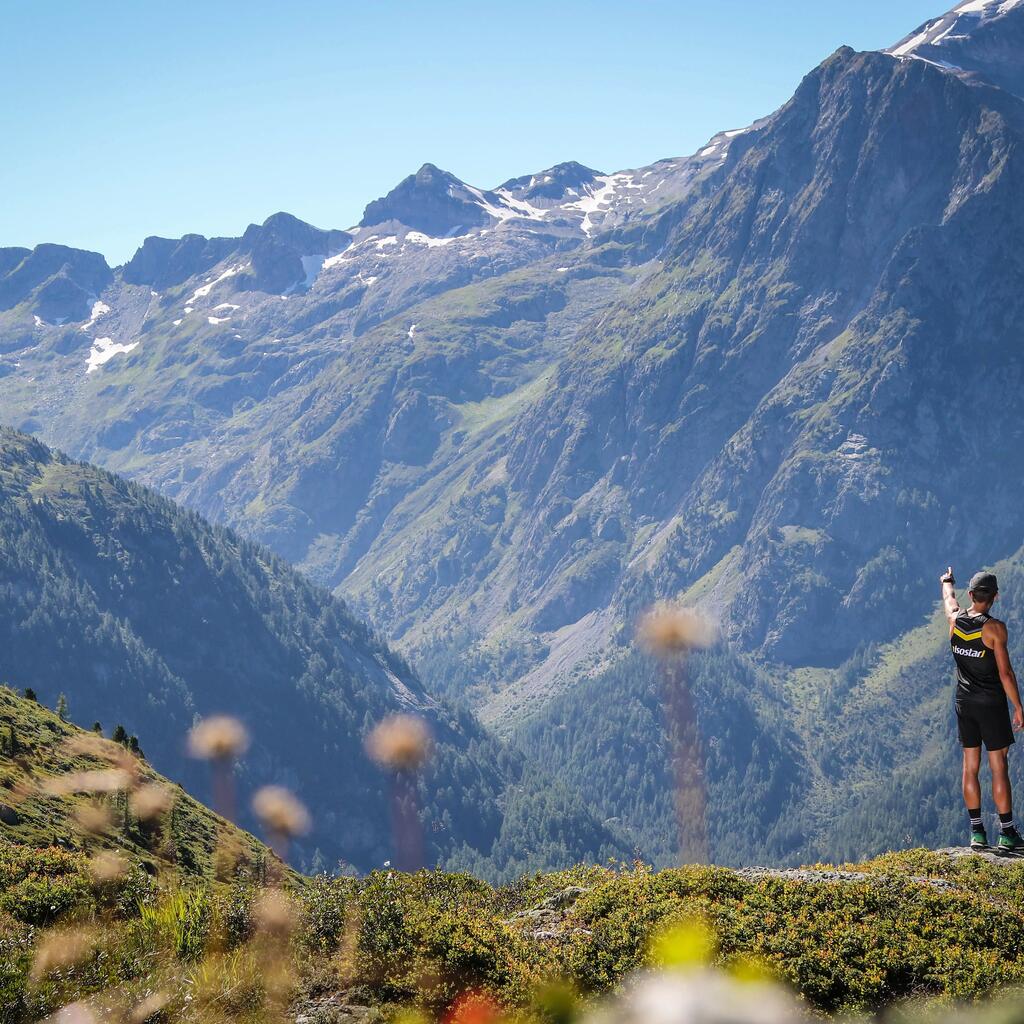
[(994, 635), (949, 596)]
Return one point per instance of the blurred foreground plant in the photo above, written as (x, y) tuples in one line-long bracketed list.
[(670, 633)]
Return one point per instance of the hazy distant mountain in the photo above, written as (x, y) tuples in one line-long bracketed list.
[(779, 376)]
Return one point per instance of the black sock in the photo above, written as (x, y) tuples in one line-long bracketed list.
[(976, 823), (1006, 822)]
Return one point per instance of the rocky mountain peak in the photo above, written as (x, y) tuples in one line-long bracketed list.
[(435, 202), (553, 183), (58, 281), (286, 230), (982, 39)]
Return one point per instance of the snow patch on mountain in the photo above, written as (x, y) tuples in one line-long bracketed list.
[(419, 238), (954, 26), (98, 309), (104, 349), (311, 267), (204, 290), (600, 197)]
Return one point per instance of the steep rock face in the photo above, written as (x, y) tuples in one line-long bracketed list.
[(286, 253), (164, 262), (826, 296)]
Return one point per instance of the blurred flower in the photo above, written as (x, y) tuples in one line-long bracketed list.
[(281, 812), (667, 629), (474, 1008), (61, 949), (149, 1007), (108, 866), (218, 738), (706, 996), (94, 818), (401, 742), (107, 780), (274, 913), (150, 801), (684, 946), (91, 745), (73, 1013)]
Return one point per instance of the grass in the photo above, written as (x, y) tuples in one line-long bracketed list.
[(186, 840)]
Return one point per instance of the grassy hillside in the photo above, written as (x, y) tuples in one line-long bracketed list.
[(916, 924), (152, 822)]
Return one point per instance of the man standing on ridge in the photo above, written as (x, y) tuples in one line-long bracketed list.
[(985, 682)]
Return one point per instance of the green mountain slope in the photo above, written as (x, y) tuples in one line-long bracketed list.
[(137, 609)]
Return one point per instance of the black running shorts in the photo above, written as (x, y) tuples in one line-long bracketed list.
[(985, 722)]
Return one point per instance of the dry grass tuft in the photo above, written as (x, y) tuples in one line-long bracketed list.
[(400, 742), (218, 738), (93, 818), (274, 914), (59, 950), (73, 1013), (148, 1008), (108, 866), (281, 811), (668, 630), (150, 801), (104, 780)]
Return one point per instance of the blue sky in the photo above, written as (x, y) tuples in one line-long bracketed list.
[(126, 119)]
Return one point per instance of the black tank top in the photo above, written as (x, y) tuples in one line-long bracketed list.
[(977, 675)]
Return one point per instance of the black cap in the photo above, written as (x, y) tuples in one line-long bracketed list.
[(984, 582)]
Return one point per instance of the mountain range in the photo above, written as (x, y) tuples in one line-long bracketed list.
[(779, 378)]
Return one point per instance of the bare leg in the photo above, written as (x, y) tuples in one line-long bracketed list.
[(972, 788), (998, 762)]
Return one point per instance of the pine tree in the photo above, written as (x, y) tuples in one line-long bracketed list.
[(120, 734), (30, 694), (97, 728), (62, 708)]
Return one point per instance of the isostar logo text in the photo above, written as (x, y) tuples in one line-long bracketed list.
[(966, 652)]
